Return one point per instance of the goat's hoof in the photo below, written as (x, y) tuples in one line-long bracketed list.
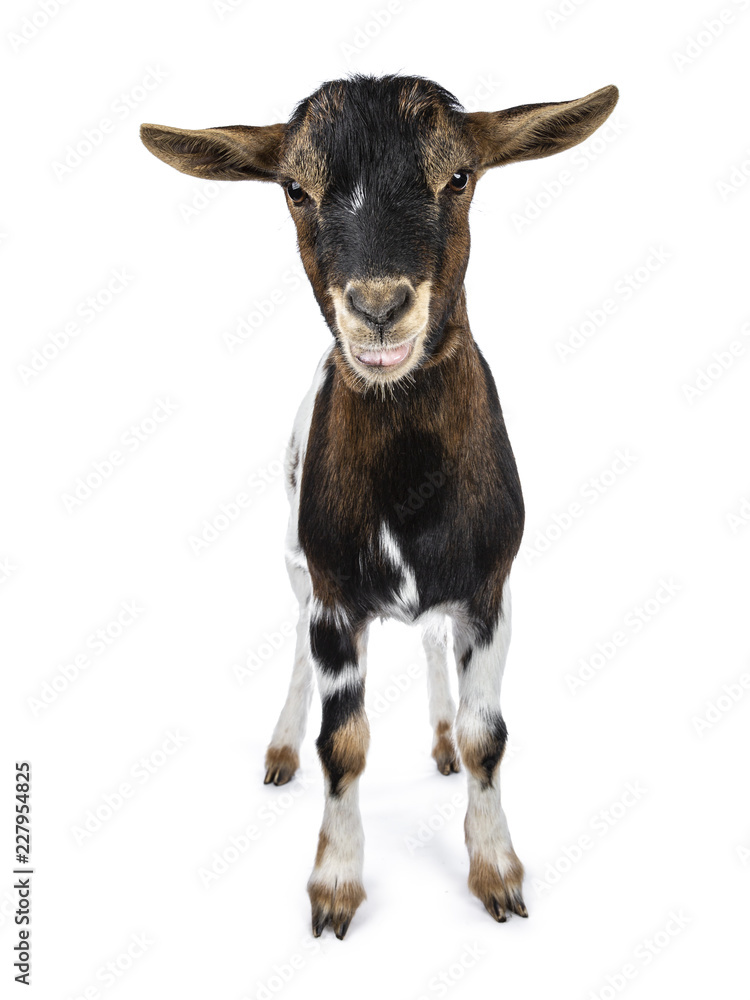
[(444, 752), (281, 765), (447, 763), (334, 905), (499, 893)]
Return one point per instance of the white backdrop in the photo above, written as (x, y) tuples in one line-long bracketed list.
[(145, 639)]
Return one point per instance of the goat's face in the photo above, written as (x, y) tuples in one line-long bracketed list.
[(379, 175)]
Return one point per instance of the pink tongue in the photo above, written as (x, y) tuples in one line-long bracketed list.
[(392, 356)]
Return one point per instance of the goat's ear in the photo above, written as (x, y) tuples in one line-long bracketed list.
[(535, 130), (230, 153)]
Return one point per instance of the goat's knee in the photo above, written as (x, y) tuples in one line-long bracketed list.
[(344, 739), (481, 739)]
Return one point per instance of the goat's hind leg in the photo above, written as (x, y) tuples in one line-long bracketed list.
[(282, 755), (442, 706)]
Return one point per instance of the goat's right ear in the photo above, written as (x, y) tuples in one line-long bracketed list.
[(229, 153)]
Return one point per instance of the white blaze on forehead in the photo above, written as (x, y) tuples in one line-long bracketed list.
[(357, 198)]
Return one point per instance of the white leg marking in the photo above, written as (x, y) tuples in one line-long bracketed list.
[(487, 834), (290, 729), (442, 706)]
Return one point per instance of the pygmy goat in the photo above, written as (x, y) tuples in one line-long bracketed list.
[(378, 175)]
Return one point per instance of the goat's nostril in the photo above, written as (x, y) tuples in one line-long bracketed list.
[(378, 306)]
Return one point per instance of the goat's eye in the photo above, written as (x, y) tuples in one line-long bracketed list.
[(459, 180), (295, 192)]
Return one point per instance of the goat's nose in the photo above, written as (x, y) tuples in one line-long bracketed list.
[(380, 305)]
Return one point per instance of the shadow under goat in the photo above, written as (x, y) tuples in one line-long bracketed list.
[(378, 174)]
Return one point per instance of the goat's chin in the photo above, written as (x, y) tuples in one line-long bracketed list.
[(383, 364)]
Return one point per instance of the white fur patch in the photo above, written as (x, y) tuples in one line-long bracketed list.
[(407, 596), (332, 616), (342, 825), (442, 706), (357, 199)]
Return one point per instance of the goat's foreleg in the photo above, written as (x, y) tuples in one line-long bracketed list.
[(495, 872), (335, 885)]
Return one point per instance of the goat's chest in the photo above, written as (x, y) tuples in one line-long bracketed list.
[(395, 517)]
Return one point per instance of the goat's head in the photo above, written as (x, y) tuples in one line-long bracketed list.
[(379, 175)]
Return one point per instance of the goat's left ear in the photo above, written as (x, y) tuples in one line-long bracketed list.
[(230, 153), (535, 130)]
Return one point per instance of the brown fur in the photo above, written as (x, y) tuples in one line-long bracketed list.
[(498, 893), (322, 846), (281, 765), (474, 754), (334, 904), (530, 131), (444, 752), (347, 755), (346, 459), (227, 153)]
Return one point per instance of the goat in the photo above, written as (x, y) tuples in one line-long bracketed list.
[(378, 175)]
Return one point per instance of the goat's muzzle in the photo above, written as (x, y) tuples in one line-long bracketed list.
[(382, 324)]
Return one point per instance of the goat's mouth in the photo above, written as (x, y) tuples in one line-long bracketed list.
[(384, 357)]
